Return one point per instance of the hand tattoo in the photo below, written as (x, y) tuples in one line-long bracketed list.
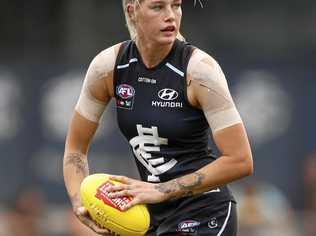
[(79, 161)]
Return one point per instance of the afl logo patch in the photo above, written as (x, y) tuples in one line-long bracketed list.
[(188, 227), (125, 96), (168, 94), (125, 91)]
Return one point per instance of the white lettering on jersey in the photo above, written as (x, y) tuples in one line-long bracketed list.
[(146, 80), (147, 141), (166, 104), (167, 95)]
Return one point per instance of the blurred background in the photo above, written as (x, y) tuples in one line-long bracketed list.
[(267, 50)]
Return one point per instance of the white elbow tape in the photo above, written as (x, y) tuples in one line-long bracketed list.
[(223, 119), (89, 107)]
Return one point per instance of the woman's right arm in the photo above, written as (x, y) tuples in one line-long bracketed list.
[(96, 93)]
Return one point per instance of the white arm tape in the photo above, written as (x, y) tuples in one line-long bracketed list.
[(90, 108), (100, 68), (215, 98), (223, 119)]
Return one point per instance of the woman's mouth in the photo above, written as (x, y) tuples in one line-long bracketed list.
[(169, 29)]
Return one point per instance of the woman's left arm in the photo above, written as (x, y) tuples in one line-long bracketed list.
[(234, 163), (207, 90)]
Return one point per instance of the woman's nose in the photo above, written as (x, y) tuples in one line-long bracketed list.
[(169, 14)]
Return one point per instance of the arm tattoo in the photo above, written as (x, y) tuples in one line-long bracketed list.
[(168, 187), (186, 184), (79, 161), (190, 182)]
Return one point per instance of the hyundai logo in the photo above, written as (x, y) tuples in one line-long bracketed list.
[(168, 94)]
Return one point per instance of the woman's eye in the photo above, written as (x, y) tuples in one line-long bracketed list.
[(157, 7), (177, 5)]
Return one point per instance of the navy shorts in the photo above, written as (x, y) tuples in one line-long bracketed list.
[(218, 219)]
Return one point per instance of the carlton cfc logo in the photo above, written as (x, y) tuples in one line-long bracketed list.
[(125, 91), (168, 94)]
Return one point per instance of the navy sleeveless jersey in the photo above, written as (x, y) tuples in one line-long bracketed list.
[(168, 137)]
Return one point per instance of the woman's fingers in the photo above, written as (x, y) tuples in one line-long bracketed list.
[(120, 178), (81, 211), (121, 193), (84, 217), (134, 202), (119, 187), (99, 230)]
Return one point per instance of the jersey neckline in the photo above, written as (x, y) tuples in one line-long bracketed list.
[(160, 64)]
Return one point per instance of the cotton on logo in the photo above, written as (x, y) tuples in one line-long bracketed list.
[(125, 91), (168, 94)]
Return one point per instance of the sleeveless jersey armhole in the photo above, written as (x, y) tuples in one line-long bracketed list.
[(118, 59), (185, 80)]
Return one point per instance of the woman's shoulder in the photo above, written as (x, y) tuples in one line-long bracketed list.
[(199, 54), (201, 61), (109, 53), (106, 58)]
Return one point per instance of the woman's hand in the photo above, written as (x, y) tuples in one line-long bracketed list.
[(83, 215), (141, 192)]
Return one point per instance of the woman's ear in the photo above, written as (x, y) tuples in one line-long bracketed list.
[(130, 8)]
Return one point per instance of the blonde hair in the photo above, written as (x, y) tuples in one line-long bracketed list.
[(129, 23)]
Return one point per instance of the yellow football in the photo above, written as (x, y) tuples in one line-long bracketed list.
[(108, 212)]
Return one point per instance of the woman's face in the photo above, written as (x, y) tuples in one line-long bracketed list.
[(158, 21)]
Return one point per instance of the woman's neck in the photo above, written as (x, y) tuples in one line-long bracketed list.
[(151, 53)]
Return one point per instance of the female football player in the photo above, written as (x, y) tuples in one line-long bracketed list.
[(170, 98)]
